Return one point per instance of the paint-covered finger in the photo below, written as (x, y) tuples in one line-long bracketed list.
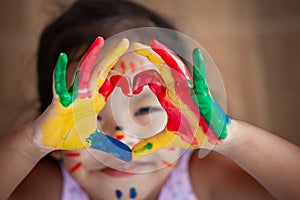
[(159, 141), (123, 83), (60, 85), (105, 65), (108, 144), (172, 60), (152, 144), (181, 78), (210, 109), (147, 77), (86, 66), (200, 86), (115, 79), (163, 68), (199, 72)]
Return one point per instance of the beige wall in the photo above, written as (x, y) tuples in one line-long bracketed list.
[(255, 44)]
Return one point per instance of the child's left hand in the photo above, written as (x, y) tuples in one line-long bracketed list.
[(195, 120)]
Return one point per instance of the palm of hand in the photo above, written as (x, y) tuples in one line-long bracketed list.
[(194, 117), (70, 122), (68, 127)]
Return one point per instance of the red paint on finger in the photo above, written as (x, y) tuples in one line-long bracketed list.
[(171, 59), (106, 89), (177, 122), (86, 66), (121, 82), (147, 77)]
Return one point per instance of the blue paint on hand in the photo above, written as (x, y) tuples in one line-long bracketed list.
[(110, 145)]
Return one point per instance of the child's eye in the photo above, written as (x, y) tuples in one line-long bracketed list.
[(145, 110)]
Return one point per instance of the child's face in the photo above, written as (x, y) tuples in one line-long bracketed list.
[(106, 177)]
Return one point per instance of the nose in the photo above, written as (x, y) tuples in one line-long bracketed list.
[(119, 133), (130, 141)]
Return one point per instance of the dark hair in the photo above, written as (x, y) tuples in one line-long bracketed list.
[(78, 26)]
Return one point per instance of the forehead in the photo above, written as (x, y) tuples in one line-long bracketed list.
[(131, 64)]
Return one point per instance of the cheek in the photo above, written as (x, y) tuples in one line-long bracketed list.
[(72, 161), (168, 157), (82, 159)]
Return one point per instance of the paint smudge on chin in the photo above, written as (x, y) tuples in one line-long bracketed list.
[(118, 194), (75, 167), (132, 193)]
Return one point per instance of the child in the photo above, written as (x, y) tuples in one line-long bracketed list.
[(249, 163)]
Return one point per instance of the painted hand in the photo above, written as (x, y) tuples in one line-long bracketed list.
[(194, 118), (70, 122)]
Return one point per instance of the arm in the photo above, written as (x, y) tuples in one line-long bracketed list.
[(271, 160), (19, 155)]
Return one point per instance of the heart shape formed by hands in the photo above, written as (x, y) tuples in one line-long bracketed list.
[(70, 122)]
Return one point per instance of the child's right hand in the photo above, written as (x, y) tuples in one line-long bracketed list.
[(70, 122)]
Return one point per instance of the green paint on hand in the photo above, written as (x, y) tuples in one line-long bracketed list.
[(148, 146), (190, 83), (64, 136), (210, 109), (65, 97)]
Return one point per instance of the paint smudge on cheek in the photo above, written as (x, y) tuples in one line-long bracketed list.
[(72, 154), (166, 163), (119, 133), (171, 149), (75, 167)]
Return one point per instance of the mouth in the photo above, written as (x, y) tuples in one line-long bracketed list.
[(124, 170)]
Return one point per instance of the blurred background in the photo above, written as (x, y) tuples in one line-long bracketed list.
[(255, 44)]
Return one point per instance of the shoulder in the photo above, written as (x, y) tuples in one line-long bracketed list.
[(43, 182), (217, 177)]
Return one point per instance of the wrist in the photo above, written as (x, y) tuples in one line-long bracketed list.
[(28, 142), (231, 139)]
